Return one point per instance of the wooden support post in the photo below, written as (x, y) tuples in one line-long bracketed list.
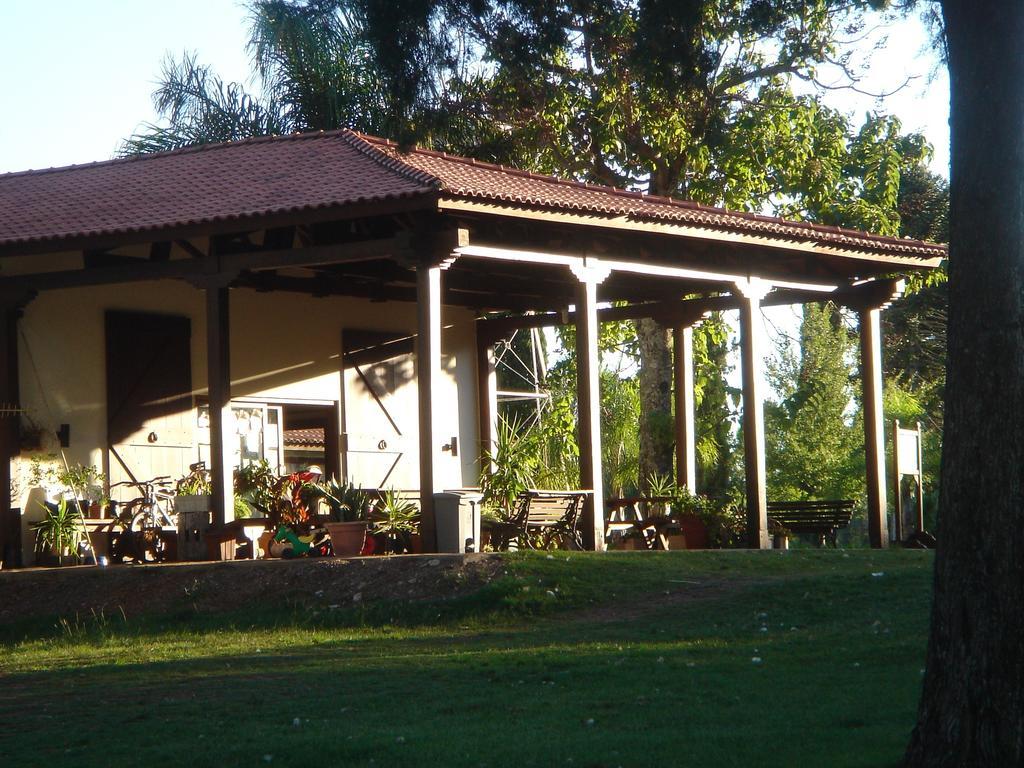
[(218, 378), (920, 479), (752, 291), (428, 375), (897, 485), (9, 432), (588, 402), (874, 435), (686, 442), (486, 390)]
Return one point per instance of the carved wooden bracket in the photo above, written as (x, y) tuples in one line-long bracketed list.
[(753, 288), (590, 271)]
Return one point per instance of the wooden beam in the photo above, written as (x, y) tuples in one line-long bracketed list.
[(314, 255), (101, 259), (686, 442), (874, 434), (897, 478), (588, 400), (869, 293), (160, 251), (9, 431), (486, 391), (218, 378), (751, 292), (137, 270), (370, 347), (324, 287), (682, 312), (377, 210), (279, 237), (765, 244), (428, 377), (685, 312), (190, 249)]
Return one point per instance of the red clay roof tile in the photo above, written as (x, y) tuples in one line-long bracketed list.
[(460, 177), (312, 437), (272, 175), (199, 185)]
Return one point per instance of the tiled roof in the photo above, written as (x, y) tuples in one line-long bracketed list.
[(197, 186), (466, 178), (304, 438), (280, 175)]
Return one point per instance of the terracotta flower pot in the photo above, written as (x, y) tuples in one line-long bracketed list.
[(347, 538), (695, 531)]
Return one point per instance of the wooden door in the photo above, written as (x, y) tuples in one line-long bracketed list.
[(150, 419), (378, 431)]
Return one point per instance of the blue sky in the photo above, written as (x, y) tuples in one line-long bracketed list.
[(78, 74)]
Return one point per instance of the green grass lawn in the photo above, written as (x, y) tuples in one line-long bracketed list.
[(805, 658)]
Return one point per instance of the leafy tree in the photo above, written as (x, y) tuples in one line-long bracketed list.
[(682, 100), (689, 99), (971, 711), (914, 328), (812, 441)]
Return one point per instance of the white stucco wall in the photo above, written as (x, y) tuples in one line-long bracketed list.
[(283, 346)]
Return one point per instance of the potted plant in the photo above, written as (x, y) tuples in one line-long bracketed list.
[(256, 485), (192, 493), (396, 521), (82, 483), (350, 509), (59, 535), (662, 493), (691, 513)]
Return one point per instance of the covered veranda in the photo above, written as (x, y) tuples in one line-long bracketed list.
[(342, 214)]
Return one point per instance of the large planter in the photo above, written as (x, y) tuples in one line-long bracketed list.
[(47, 559), (347, 538), (695, 531), (186, 504)]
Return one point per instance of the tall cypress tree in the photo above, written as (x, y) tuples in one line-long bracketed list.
[(812, 441)]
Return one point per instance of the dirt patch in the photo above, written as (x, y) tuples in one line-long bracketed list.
[(141, 589), (682, 592)]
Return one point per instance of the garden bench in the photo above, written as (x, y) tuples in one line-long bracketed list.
[(821, 518), (541, 519)]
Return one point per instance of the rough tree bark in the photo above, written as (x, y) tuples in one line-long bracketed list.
[(972, 705)]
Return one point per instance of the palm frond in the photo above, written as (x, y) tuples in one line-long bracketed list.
[(198, 107)]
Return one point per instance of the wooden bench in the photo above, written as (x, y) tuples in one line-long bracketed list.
[(542, 519), (632, 516), (821, 518)]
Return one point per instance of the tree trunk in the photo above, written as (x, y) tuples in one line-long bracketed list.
[(972, 705), (656, 424)]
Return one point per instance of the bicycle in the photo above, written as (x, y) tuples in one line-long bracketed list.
[(144, 519)]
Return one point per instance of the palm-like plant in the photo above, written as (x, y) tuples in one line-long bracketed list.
[(60, 532), (314, 70), (322, 65), (200, 108), (395, 515), (509, 469), (347, 502)]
